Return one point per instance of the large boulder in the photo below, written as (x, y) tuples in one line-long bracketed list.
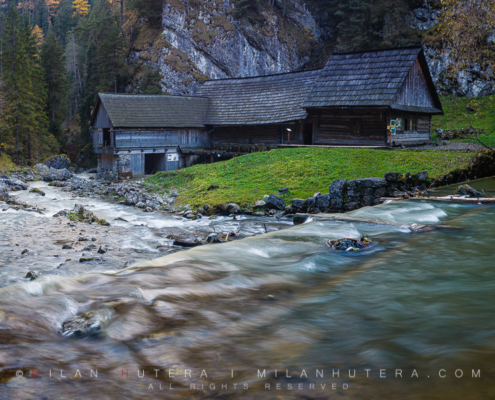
[(275, 203), (13, 184), (337, 188), (310, 205), (58, 162), (233, 208), (466, 190), (323, 202), (392, 177), (51, 174), (298, 204)]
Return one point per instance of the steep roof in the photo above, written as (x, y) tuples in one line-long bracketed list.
[(367, 79), (153, 111), (258, 100)]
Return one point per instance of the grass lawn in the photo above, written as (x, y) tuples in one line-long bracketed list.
[(457, 115), (303, 170)]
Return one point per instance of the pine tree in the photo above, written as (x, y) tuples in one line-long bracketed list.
[(55, 77), (63, 23), (23, 120)]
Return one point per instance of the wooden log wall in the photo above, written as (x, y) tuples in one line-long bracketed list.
[(336, 128), (259, 134), (161, 138)]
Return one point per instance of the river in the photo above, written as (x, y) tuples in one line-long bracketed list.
[(271, 316)]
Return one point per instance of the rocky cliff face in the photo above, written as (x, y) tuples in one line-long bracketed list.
[(205, 40), (201, 40), (469, 83)]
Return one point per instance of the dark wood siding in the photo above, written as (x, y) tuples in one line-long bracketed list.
[(336, 127), (260, 134), (414, 91)]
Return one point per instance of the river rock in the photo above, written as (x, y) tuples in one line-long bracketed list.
[(337, 188), (58, 162), (322, 202), (466, 190), (310, 205), (4, 195), (275, 203), (85, 324), (233, 208), (12, 184), (421, 176), (37, 190), (51, 174), (81, 214), (259, 204), (348, 244), (392, 177), (67, 247), (212, 238), (32, 275), (298, 204)]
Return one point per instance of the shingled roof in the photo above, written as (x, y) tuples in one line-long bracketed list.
[(366, 79), (154, 111), (258, 100)]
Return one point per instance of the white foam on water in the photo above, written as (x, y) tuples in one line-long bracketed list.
[(259, 252), (33, 288)]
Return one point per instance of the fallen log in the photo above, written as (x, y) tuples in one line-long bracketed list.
[(450, 199), (186, 243)]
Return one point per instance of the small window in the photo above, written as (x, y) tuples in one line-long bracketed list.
[(356, 127), (410, 125)]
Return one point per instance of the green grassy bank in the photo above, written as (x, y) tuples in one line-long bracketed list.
[(458, 116), (245, 179)]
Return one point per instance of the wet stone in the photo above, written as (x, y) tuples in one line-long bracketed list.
[(349, 244)]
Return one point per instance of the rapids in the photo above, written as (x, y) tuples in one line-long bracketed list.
[(270, 316)]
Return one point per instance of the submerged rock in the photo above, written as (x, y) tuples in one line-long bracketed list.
[(81, 214), (85, 324), (466, 190), (347, 244), (37, 190), (32, 275)]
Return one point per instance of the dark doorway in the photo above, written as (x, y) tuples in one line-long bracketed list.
[(106, 137), (308, 134), (153, 163)]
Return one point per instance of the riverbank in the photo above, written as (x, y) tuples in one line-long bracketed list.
[(303, 171), (37, 236)]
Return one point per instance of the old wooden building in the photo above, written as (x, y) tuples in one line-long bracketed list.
[(376, 98), (141, 134)]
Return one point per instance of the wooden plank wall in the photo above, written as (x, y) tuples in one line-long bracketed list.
[(102, 120), (335, 128), (137, 164), (259, 134), (161, 138), (106, 161), (414, 91)]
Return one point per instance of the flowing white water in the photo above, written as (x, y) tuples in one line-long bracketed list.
[(281, 301)]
